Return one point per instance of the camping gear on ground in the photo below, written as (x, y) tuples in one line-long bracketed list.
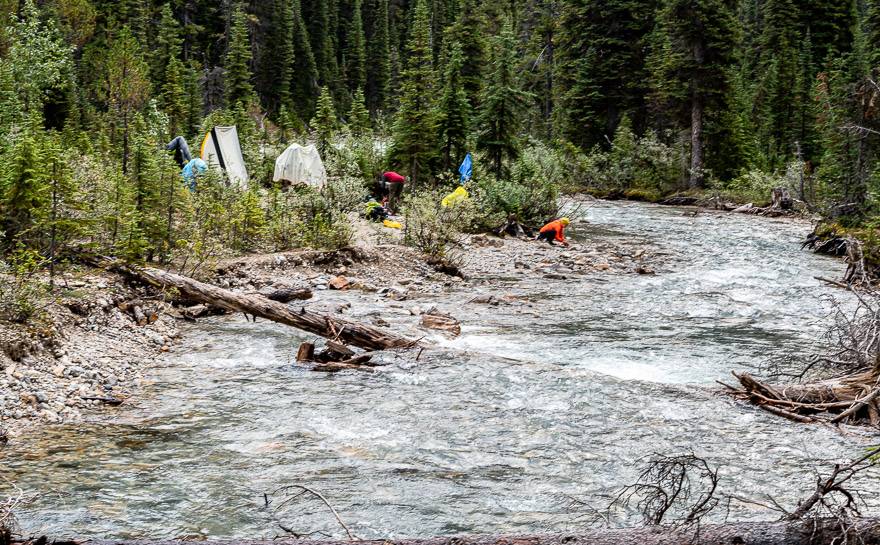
[(466, 169), (460, 194), (554, 231), (192, 170), (300, 165), (221, 149), (392, 224), (375, 211), (181, 151)]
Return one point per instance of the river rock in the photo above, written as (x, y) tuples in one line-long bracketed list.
[(339, 283)]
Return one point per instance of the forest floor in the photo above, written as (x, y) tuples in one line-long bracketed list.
[(98, 337)]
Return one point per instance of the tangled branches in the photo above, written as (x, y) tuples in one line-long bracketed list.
[(682, 484), (289, 496), (7, 512)]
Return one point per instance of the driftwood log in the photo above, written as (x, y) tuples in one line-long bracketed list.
[(809, 532), (361, 335)]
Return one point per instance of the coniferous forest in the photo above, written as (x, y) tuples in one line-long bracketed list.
[(635, 98)]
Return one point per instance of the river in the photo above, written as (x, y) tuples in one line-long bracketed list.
[(529, 407)]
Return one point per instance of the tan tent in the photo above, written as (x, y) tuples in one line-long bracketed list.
[(301, 165), (221, 149)]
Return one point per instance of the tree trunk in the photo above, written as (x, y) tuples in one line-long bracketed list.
[(696, 175), (360, 335), (865, 531)]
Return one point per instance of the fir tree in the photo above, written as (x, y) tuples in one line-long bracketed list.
[(324, 123), (195, 104), (168, 46), (305, 75), (501, 107), (238, 57), (415, 127), (691, 56), (174, 99), (872, 31), (322, 39), (277, 58), (358, 116), (601, 71), (355, 51), (378, 59), (126, 86), (469, 29), (23, 188), (453, 108)]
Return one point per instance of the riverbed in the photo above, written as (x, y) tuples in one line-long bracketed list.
[(559, 396)]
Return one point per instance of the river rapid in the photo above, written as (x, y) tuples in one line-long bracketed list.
[(534, 404)]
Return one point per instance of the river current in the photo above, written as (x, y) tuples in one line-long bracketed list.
[(531, 406)]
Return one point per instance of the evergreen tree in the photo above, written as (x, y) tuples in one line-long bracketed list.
[(23, 189), (831, 24), (168, 45), (415, 127), (324, 123), (872, 31), (277, 58), (355, 52), (601, 67), (501, 107), (195, 104), (174, 99), (305, 75), (322, 39), (238, 57), (126, 86), (453, 109), (469, 29), (358, 115), (378, 59), (690, 59)]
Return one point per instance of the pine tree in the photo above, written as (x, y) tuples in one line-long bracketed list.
[(305, 75), (174, 99), (415, 127), (872, 31), (322, 39), (355, 52), (378, 59), (195, 104), (831, 24), (453, 108), (501, 107), (358, 115), (238, 57), (601, 67), (23, 189), (690, 59), (469, 29), (168, 45), (324, 123), (126, 86), (277, 59)]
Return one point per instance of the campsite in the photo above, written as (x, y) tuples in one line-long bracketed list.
[(439, 272)]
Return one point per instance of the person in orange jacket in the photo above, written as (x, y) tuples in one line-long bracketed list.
[(555, 230)]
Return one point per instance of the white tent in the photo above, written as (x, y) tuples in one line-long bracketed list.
[(221, 149), (301, 165)]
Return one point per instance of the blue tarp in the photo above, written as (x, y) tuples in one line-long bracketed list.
[(466, 169)]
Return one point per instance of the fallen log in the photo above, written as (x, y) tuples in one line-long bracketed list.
[(331, 327), (808, 532)]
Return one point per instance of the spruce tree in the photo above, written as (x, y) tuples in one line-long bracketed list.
[(355, 51), (174, 99), (415, 127), (195, 107), (277, 58), (378, 59), (453, 109), (126, 86), (358, 115), (305, 75), (501, 107), (872, 31), (23, 187), (601, 67), (469, 29), (168, 45), (690, 59), (324, 123), (238, 75), (322, 40), (831, 24)]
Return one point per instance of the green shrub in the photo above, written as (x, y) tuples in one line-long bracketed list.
[(432, 228), (20, 290)]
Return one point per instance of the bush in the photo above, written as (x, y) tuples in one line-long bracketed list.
[(301, 217), (20, 290), (432, 228), (531, 194)]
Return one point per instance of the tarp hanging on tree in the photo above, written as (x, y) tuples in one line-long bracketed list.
[(300, 165), (221, 149)]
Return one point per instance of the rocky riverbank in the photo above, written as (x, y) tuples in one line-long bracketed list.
[(87, 354)]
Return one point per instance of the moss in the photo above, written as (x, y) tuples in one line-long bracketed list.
[(646, 195)]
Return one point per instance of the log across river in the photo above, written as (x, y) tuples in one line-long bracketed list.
[(559, 397)]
